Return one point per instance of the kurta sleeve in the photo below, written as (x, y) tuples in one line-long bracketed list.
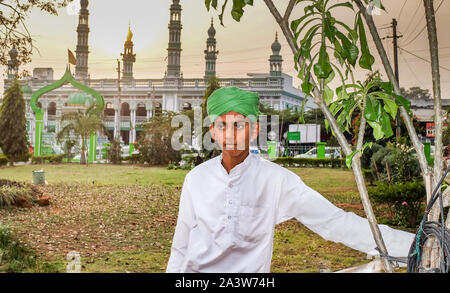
[(299, 201), (185, 222)]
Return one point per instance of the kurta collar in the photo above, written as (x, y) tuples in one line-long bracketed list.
[(239, 168)]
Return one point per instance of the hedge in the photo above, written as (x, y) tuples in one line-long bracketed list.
[(54, 159), (3, 161), (310, 162), (24, 158)]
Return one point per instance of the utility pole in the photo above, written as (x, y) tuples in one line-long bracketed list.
[(117, 118), (394, 42)]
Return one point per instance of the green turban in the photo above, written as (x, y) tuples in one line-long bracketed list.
[(233, 99)]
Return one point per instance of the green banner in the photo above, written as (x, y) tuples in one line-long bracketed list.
[(293, 136)]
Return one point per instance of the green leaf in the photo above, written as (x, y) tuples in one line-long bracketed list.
[(366, 61), (346, 4), (349, 158), (386, 125), (238, 9), (350, 51), (390, 107), (322, 68), (223, 11), (377, 130), (330, 77), (370, 112), (328, 95), (208, 4), (401, 101)]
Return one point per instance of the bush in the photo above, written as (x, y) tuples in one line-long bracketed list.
[(401, 162), (9, 194), (115, 152), (3, 161), (53, 159), (403, 199), (310, 162), (24, 158), (366, 158)]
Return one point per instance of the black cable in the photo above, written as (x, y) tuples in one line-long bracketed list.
[(429, 229)]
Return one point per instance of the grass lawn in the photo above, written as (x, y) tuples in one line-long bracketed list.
[(122, 219)]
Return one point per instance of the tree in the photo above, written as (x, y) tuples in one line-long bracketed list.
[(14, 32), (415, 93), (13, 129), (83, 124), (154, 145)]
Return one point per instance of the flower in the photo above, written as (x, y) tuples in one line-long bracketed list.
[(404, 203)]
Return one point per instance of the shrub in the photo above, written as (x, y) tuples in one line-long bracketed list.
[(115, 152), (9, 194), (3, 161), (310, 162), (395, 163), (53, 159), (403, 199)]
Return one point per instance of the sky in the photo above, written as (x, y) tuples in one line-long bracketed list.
[(244, 47)]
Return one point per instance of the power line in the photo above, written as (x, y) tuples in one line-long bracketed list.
[(401, 10), (421, 31), (421, 58), (413, 17), (412, 71)]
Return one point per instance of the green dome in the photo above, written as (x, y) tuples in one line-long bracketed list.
[(79, 99), (27, 89)]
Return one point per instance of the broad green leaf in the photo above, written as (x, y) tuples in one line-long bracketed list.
[(390, 107), (322, 68), (350, 51), (377, 130), (386, 125), (330, 78), (238, 9), (366, 61), (328, 95), (401, 101), (370, 113)]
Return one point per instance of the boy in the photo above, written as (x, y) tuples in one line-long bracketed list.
[(229, 205)]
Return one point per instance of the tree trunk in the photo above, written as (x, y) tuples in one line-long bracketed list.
[(438, 123), (83, 151), (438, 117), (318, 99)]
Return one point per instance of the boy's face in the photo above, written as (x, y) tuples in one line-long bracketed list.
[(233, 133)]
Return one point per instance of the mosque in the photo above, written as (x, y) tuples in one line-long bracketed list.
[(134, 101)]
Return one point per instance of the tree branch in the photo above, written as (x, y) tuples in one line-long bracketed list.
[(288, 11), (418, 146)]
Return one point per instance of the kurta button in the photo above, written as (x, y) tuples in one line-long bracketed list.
[(230, 185)]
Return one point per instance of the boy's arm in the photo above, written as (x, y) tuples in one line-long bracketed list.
[(334, 224), (185, 222)]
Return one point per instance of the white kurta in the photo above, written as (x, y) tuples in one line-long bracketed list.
[(226, 221)]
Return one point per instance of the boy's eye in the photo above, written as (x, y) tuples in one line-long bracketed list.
[(240, 126)]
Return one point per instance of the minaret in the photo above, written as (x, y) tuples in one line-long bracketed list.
[(128, 57), (210, 52), (174, 49), (275, 59), (13, 64), (82, 51)]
